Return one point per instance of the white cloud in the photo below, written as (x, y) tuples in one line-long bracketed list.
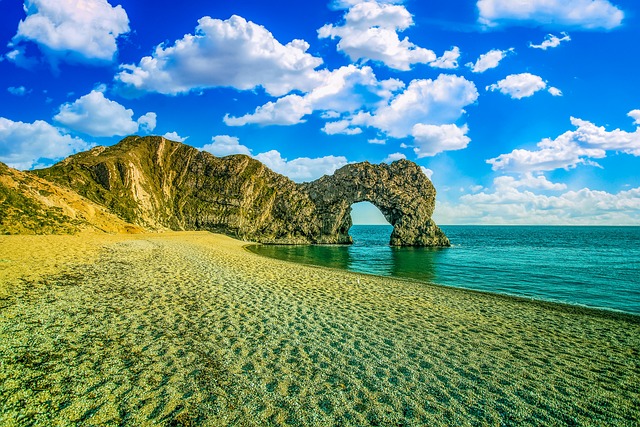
[(67, 29), (432, 139), (346, 4), (448, 60), (527, 180), (303, 168), (519, 86), (570, 149), (427, 172), (393, 157), (551, 41), (288, 110), (437, 102), (147, 122), (370, 32), (377, 141), (225, 145), (95, 115), (233, 53), (583, 14), (555, 91), (635, 115), (173, 136), (300, 169), (340, 127), (19, 57), (23, 144), (18, 91), (342, 90), (488, 60), (509, 205)]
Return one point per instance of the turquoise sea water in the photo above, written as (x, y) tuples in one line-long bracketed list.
[(590, 266)]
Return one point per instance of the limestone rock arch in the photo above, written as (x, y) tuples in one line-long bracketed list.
[(402, 192)]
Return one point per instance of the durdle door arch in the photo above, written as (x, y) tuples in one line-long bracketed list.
[(402, 192)]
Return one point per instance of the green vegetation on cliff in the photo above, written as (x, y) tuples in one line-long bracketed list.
[(32, 205)]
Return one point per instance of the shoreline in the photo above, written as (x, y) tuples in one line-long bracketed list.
[(190, 328), (588, 310)]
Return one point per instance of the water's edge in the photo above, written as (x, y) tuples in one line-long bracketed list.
[(516, 262)]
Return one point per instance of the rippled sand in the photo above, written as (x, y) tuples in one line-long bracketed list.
[(186, 329)]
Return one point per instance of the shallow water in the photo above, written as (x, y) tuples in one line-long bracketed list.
[(591, 266)]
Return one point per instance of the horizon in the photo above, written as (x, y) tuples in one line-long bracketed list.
[(519, 115)]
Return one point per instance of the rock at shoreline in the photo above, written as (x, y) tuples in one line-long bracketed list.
[(161, 184)]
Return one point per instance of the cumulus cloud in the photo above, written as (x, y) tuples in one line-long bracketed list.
[(370, 32), (519, 86), (342, 127), (343, 90), (377, 141), (70, 30), (448, 60), (527, 180), (299, 169), (635, 115), (18, 91), (511, 205), (433, 139), (95, 115), (147, 122), (570, 149), (393, 157), (551, 41), (555, 91), (232, 53), (303, 168), (173, 136), (288, 110), (429, 102), (583, 14), (225, 145), (488, 60), (346, 4), (23, 144), (362, 101), (426, 171)]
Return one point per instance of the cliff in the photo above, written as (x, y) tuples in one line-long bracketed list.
[(161, 184), (32, 205)]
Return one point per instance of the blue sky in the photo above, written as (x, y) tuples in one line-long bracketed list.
[(520, 112)]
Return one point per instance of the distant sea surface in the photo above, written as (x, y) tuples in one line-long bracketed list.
[(590, 266)]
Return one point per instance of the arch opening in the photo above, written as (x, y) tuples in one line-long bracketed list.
[(366, 213), (369, 225)]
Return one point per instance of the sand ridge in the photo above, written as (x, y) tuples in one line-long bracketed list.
[(191, 329)]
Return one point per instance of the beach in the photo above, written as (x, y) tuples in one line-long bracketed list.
[(191, 329)]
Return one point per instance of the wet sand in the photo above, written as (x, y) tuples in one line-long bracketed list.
[(190, 329)]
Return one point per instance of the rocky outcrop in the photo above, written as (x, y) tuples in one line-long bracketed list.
[(161, 184), (404, 195)]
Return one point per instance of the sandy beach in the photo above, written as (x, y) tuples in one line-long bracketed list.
[(191, 329)]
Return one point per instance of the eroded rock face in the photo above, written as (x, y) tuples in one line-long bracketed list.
[(161, 184), (404, 195)]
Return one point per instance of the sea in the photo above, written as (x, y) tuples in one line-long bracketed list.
[(596, 267)]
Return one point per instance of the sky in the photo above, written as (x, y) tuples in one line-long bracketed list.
[(522, 112)]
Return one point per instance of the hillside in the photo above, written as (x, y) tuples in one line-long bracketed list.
[(160, 184), (32, 205)]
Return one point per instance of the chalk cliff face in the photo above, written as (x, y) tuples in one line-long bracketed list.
[(161, 184)]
